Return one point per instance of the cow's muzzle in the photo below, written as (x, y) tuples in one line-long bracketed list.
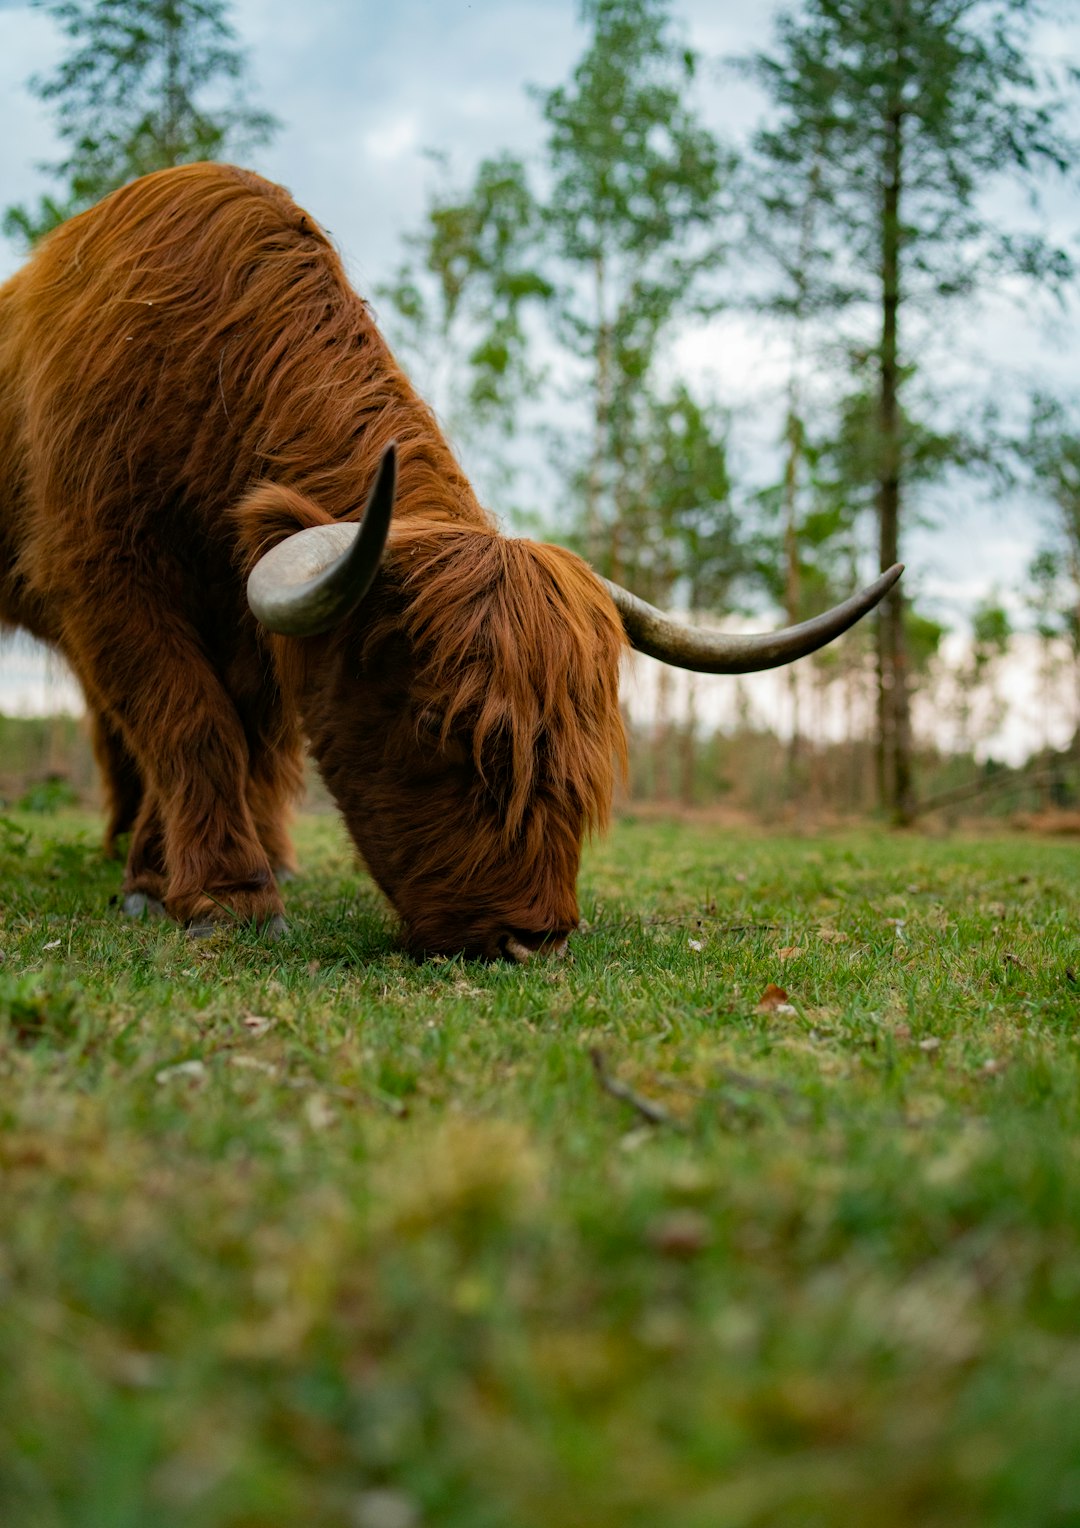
[(522, 945)]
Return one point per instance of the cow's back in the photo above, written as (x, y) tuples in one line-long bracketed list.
[(121, 343), (191, 335)]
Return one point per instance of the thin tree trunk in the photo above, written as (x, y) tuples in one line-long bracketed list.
[(795, 442), (601, 418), (173, 93), (895, 788), (792, 579), (661, 741), (688, 768)]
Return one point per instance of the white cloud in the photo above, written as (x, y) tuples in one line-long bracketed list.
[(392, 140)]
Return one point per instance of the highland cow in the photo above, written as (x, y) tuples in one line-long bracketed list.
[(223, 503)]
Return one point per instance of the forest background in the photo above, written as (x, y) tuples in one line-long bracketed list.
[(741, 302)]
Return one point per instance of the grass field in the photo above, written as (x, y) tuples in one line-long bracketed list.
[(306, 1234)]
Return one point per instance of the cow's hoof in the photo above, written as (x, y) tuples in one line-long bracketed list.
[(139, 904), (275, 927)]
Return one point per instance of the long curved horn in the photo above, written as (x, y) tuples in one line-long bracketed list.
[(312, 580), (709, 652)]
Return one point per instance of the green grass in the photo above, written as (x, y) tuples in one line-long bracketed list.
[(308, 1234)]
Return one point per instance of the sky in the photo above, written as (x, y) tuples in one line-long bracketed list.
[(362, 89)]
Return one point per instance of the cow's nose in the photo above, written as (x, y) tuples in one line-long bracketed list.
[(525, 944)]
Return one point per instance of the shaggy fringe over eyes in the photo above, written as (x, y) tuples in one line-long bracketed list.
[(517, 645)]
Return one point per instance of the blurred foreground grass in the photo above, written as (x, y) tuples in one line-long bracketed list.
[(308, 1234)]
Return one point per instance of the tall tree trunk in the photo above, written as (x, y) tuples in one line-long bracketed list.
[(795, 443), (688, 762), (661, 738), (173, 137), (792, 580), (895, 789), (594, 547)]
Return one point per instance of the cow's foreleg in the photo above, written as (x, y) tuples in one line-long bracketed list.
[(217, 867), (195, 840), (274, 784), (275, 768), (145, 875)]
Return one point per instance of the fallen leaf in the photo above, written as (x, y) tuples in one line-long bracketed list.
[(931, 1043), (257, 1023), (902, 1032), (993, 1067), (791, 951), (774, 998), (833, 936), (695, 944), (1014, 960), (53, 944)]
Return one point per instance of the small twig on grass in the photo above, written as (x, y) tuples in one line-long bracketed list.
[(655, 1113)]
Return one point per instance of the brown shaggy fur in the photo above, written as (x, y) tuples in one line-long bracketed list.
[(186, 377)]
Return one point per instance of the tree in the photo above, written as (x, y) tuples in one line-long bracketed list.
[(611, 255), (975, 677), (135, 94), (635, 181), (913, 108), (682, 539), (460, 298), (1052, 453)]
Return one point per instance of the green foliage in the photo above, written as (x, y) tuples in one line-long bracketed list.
[(608, 256), (465, 291), (991, 631), (679, 537), (47, 796), (309, 1233), (635, 187), (634, 173), (971, 104), (889, 123), (1052, 455), (136, 93), (924, 637)]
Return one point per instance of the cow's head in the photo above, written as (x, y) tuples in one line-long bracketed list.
[(460, 691), (463, 711)]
